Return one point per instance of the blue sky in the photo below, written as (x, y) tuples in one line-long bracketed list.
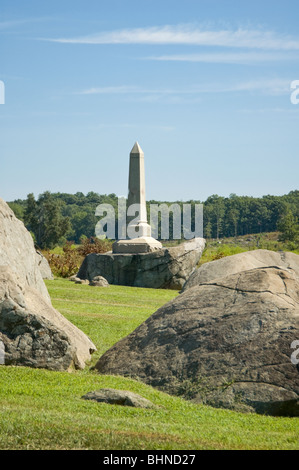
[(204, 87)]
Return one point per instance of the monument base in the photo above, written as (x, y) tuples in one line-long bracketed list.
[(137, 245), (167, 268)]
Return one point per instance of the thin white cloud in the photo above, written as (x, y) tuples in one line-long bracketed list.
[(269, 86), (9, 24), (244, 58), (122, 89), (128, 90), (287, 111), (190, 35)]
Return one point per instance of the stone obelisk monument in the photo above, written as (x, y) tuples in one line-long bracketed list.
[(139, 231)]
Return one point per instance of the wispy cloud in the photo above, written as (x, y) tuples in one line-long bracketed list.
[(121, 89), (283, 111), (190, 35), (243, 58), (136, 93), (265, 86), (9, 24)]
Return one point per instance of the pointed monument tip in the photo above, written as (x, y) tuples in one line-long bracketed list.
[(136, 148)]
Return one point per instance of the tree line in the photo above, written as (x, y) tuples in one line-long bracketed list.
[(54, 218)]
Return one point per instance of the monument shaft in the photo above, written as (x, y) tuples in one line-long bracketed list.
[(136, 193), (138, 230)]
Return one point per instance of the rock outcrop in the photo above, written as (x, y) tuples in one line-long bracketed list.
[(225, 342), (33, 333), (44, 266), (119, 397), (241, 262), (166, 268), (17, 251)]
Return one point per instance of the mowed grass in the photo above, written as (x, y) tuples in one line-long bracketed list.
[(41, 409), (106, 314)]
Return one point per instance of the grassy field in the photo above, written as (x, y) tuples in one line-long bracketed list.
[(216, 249), (40, 409)]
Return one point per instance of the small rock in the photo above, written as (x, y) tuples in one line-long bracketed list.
[(81, 281), (99, 281), (119, 397)]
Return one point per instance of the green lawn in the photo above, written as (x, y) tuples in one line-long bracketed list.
[(41, 409), (106, 314)]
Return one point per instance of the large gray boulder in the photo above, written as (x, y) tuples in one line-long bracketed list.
[(33, 333), (17, 250), (165, 268), (241, 262), (226, 343)]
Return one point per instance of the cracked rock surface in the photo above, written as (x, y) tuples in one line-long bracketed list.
[(224, 342), (168, 268), (17, 251), (242, 262), (32, 332)]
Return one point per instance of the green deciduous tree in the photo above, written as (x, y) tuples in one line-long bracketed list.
[(45, 220), (288, 226)]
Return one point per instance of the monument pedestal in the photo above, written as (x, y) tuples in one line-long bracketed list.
[(137, 245), (166, 268)]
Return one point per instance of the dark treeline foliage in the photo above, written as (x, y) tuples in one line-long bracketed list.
[(241, 215), (54, 218)]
